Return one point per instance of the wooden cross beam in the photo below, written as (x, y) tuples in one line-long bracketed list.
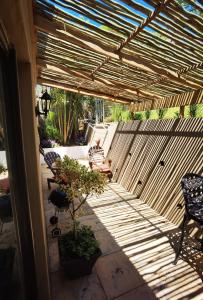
[(135, 32), (85, 75), (105, 61), (84, 91)]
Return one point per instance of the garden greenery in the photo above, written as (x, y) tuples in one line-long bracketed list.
[(67, 108)]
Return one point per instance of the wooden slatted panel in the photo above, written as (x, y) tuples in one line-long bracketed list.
[(181, 99), (178, 143)]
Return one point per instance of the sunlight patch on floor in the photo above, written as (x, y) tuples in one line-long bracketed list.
[(142, 235)]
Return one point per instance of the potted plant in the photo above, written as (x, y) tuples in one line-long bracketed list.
[(78, 249)]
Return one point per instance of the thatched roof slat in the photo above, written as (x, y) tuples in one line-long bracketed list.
[(161, 45), (196, 5), (176, 38), (168, 47), (146, 22), (136, 6), (159, 54), (69, 54), (59, 15), (177, 28), (98, 17), (113, 15), (186, 18), (89, 43)]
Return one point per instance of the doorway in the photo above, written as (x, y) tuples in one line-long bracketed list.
[(17, 266)]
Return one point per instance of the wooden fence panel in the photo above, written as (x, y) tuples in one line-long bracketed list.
[(150, 157)]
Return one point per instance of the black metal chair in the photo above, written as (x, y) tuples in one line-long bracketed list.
[(50, 158), (192, 187)]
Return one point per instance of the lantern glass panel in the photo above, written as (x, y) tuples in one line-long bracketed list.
[(43, 104), (48, 105)]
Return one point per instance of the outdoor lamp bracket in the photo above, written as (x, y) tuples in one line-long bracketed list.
[(43, 104)]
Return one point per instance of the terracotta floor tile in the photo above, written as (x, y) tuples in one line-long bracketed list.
[(85, 288), (117, 274), (141, 293), (143, 269), (106, 242), (54, 256)]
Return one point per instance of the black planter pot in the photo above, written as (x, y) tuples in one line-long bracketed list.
[(59, 199), (78, 266)]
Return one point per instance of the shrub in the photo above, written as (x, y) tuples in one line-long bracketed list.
[(85, 245), (138, 116), (53, 133), (78, 183)]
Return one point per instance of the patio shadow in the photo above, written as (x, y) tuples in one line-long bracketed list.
[(137, 260)]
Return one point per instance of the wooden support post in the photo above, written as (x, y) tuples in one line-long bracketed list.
[(182, 110)]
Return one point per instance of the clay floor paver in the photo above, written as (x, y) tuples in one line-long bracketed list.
[(87, 288), (117, 274), (138, 253), (140, 293)]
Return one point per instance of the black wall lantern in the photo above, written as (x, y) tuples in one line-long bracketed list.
[(43, 105)]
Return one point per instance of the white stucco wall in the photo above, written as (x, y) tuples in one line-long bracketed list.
[(3, 158), (76, 152)]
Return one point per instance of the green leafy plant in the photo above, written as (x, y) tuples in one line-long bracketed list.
[(138, 116), (68, 109), (126, 115), (84, 246), (121, 113), (162, 112), (78, 183), (176, 115), (193, 110), (147, 114), (116, 111), (53, 132)]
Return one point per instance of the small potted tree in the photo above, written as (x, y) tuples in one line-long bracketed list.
[(78, 249)]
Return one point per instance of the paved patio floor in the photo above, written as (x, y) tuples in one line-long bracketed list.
[(138, 253)]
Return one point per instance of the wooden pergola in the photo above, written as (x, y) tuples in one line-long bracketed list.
[(146, 52)]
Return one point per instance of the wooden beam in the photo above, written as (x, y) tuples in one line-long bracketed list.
[(135, 32), (76, 37), (10, 12), (3, 36), (83, 91), (182, 111), (105, 61), (62, 69)]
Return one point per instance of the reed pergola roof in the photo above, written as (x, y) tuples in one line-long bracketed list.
[(122, 50)]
